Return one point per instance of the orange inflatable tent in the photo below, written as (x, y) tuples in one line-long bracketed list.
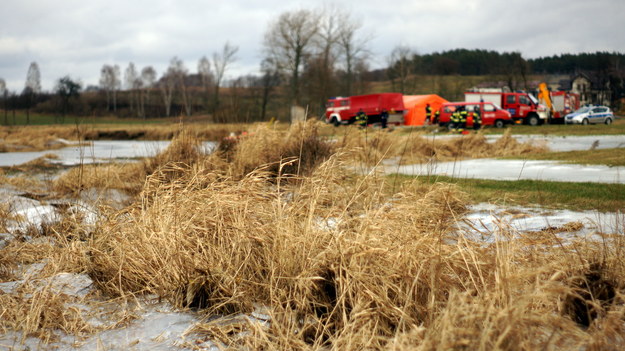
[(415, 105)]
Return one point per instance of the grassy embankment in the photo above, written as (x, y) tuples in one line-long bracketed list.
[(335, 260)]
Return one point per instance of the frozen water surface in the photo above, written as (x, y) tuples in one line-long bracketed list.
[(485, 168), (495, 169), (488, 219), (98, 151)]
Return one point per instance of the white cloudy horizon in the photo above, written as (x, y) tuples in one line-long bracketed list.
[(75, 38)]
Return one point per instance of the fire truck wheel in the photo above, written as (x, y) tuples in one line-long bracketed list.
[(335, 121), (532, 120), (499, 123)]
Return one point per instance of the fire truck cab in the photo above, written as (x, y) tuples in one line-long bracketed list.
[(523, 107)]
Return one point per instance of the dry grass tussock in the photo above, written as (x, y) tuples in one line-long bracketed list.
[(183, 150), (340, 265), (334, 259), (297, 151), (372, 146), (35, 138), (167, 131), (22, 182)]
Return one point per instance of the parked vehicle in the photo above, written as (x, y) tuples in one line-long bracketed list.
[(559, 103), (492, 115), (590, 114), (523, 107), (343, 110)]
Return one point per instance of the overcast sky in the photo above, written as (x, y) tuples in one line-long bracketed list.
[(76, 37)]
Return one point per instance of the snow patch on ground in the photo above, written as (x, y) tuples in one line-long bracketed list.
[(485, 219)]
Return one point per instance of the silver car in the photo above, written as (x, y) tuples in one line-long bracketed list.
[(590, 114)]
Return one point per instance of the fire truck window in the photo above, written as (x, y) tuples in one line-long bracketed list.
[(489, 108), (447, 109), (524, 100), (344, 103), (510, 99)]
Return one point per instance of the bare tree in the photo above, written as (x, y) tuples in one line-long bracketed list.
[(360, 84), (180, 72), (269, 80), (67, 89), (32, 87), (4, 92), (172, 77), (221, 61), (133, 84), (400, 67), (111, 83), (206, 76), (148, 78), (321, 68), (353, 49), (289, 41)]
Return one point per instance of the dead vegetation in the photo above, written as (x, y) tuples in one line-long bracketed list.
[(35, 138), (372, 146), (277, 221)]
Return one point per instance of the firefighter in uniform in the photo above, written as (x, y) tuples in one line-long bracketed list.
[(477, 118), (454, 119), (428, 114), (463, 119), (384, 118), (361, 119), (436, 116)]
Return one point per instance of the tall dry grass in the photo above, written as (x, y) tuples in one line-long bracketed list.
[(373, 146), (298, 151), (129, 177), (333, 259), (35, 138), (340, 265)]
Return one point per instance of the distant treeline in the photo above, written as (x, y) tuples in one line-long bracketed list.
[(488, 62), (178, 92), (569, 63)]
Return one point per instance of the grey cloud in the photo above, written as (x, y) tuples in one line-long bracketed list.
[(77, 37)]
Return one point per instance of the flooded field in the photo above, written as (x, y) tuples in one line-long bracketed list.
[(274, 242)]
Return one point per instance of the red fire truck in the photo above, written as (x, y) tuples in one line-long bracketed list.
[(343, 110), (559, 103), (523, 107)]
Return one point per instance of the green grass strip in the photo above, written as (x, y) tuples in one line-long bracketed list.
[(574, 196), (609, 157)]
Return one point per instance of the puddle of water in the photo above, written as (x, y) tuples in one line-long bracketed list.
[(515, 170)]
